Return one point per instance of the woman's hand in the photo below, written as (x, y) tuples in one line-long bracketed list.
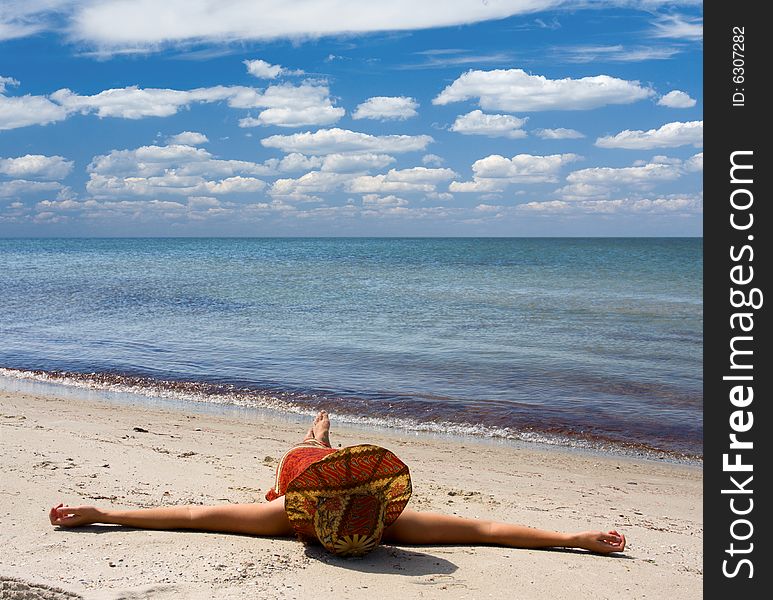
[(73, 516), (598, 541)]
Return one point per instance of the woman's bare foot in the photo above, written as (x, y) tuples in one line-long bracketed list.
[(321, 428)]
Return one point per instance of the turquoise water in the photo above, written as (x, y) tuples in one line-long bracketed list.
[(574, 341)]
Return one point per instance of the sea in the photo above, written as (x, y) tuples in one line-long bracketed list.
[(579, 342)]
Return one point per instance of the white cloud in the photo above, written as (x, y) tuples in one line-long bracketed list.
[(432, 160), (284, 105), (196, 208), (600, 182), (304, 187), (494, 172), (188, 138), (147, 161), (288, 105), (421, 175), (236, 184), (175, 169), (416, 179), (386, 108), (21, 187), (4, 81), (560, 133), (355, 163), (514, 90), (479, 123), (21, 111), (616, 53), (694, 163), (263, 70), (488, 208), (646, 175), (677, 99), (333, 141), (295, 162), (125, 24), (134, 102), (374, 200), (669, 135), (663, 205), (679, 27), (36, 166)]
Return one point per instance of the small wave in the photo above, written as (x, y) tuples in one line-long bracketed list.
[(295, 403)]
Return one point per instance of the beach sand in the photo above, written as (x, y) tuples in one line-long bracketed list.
[(86, 451)]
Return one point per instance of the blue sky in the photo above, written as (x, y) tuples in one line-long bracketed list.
[(325, 117)]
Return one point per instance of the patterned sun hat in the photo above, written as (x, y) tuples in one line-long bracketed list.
[(347, 499)]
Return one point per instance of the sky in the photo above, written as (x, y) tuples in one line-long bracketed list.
[(351, 118)]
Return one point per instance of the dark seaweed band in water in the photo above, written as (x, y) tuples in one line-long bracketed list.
[(433, 415)]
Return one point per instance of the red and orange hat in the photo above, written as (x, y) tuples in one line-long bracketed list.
[(347, 499)]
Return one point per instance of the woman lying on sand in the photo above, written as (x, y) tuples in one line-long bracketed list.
[(348, 500)]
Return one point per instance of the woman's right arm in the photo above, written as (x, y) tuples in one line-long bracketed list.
[(266, 518)]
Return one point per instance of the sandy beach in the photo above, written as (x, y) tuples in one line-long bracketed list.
[(77, 451)]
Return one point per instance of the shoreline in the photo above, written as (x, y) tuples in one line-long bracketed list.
[(81, 451), (116, 388)]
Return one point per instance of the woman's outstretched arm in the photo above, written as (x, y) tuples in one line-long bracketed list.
[(421, 528), (265, 518)]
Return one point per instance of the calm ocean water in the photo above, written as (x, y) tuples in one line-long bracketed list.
[(572, 341)]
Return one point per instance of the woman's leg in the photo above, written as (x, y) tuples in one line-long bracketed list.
[(421, 528), (265, 518)]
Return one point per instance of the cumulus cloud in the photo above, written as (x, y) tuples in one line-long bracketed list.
[(494, 173), (371, 200), (432, 160), (386, 108), (304, 187), (175, 169), (188, 138), (21, 187), (295, 162), (21, 111), (283, 105), (677, 99), (264, 70), (355, 163), (416, 179), (643, 176), (333, 141), (669, 135), (694, 163), (561, 133), (514, 90), (601, 182), (479, 123), (36, 166)]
